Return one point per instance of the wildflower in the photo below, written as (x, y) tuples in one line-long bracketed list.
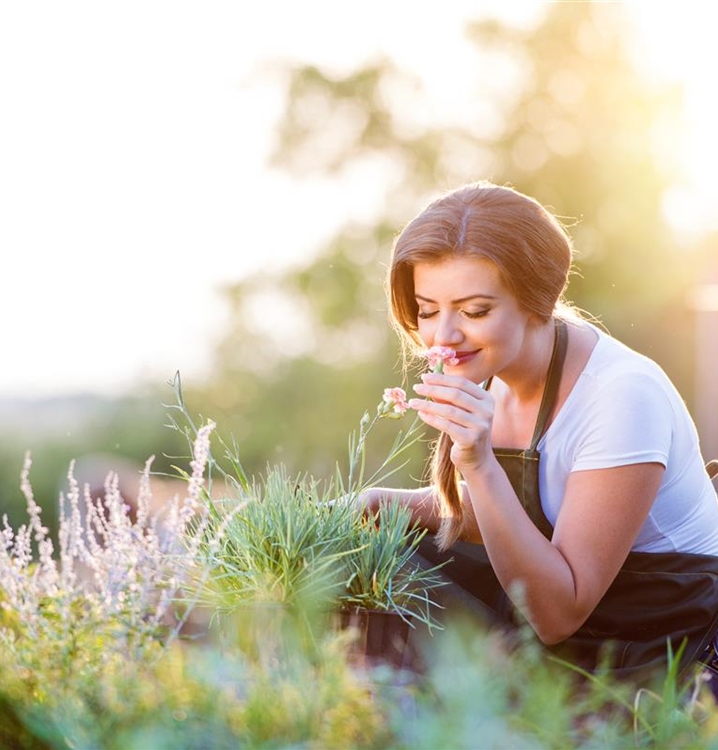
[(112, 574), (199, 462), (438, 356), (394, 402)]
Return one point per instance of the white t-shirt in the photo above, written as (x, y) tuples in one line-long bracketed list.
[(624, 410)]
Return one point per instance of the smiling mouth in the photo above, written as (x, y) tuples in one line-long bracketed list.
[(464, 356)]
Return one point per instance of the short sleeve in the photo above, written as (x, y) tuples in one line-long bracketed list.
[(629, 421)]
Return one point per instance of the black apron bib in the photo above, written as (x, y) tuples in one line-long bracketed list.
[(656, 598)]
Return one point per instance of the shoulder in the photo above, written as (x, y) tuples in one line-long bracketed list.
[(608, 382), (614, 364)]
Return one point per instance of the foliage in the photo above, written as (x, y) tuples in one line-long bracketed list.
[(95, 662), (88, 638), (306, 545), (475, 692), (289, 546), (112, 585), (285, 546), (193, 698), (502, 695), (382, 573)]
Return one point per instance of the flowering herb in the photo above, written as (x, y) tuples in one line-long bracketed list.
[(394, 402), (438, 356), (109, 575)]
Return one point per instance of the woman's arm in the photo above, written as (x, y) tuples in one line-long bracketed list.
[(423, 505), (560, 582)]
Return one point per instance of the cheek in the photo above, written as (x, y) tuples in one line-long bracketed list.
[(500, 330), (425, 331)]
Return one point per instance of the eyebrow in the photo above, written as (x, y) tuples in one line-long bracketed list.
[(457, 301)]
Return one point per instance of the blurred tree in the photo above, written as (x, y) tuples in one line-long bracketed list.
[(559, 112), (589, 137)]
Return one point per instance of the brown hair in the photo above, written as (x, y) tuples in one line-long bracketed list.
[(532, 252)]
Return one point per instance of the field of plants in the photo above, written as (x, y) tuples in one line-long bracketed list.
[(266, 612)]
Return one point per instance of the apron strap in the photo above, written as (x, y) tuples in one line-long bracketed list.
[(553, 378), (558, 355)]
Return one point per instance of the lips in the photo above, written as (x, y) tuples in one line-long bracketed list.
[(466, 356)]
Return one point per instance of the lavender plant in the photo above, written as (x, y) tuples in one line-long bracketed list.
[(236, 480), (88, 631), (114, 584)]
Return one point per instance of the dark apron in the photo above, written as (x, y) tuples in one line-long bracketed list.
[(656, 598)]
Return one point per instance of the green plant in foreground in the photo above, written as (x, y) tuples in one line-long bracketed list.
[(289, 546), (484, 690), (291, 542), (285, 546), (78, 670), (383, 575), (197, 698)]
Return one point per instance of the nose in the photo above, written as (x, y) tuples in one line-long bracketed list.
[(447, 331)]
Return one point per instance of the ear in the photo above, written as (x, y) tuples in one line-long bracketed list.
[(536, 321)]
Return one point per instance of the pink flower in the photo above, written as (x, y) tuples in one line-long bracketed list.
[(438, 356), (395, 400)]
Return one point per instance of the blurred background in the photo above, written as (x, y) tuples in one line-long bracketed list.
[(213, 188)]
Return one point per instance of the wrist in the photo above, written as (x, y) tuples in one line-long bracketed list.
[(482, 469)]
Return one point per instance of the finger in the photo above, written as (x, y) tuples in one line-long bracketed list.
[(450, 395), (464, 438), (456, 381), (440, 408), (448, 418)]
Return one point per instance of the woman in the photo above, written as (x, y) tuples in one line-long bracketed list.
[(567, 475)]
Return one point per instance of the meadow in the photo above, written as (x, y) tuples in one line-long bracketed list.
[(214, 622)]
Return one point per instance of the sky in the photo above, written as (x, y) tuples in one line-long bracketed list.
[(134, 140)]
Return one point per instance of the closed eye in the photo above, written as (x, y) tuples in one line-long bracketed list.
[(465, 313)]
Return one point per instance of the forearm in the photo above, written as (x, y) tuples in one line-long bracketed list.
[(534, 573), (425, 508)]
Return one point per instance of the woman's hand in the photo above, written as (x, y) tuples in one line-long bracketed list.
[(463, 410), (369, 501), (366, 502), (421, 502)]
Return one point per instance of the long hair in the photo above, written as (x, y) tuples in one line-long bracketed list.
[(532, 252)]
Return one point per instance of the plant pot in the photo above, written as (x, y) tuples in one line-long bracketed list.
[(381, 638)]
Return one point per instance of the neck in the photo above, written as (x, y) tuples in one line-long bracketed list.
[(526, 380)]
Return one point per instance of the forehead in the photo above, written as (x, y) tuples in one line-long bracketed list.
[(458, 278)]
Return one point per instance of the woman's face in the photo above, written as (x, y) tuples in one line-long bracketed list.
[(464, 304)]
